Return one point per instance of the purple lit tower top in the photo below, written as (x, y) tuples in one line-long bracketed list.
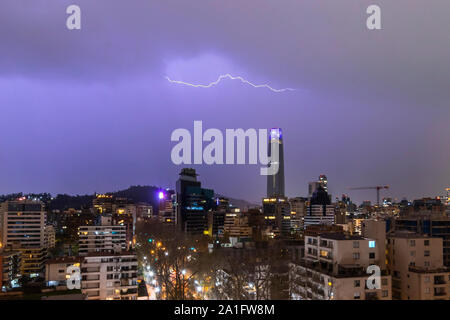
[(275, 183)]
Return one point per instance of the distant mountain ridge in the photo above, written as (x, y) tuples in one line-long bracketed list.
[(148, 194)]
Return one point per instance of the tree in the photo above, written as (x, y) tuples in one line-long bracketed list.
[(174, 258)]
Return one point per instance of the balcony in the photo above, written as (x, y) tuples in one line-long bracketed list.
[(439, 280), (439, 292), (371, 296), (89, 286), (86, 279)]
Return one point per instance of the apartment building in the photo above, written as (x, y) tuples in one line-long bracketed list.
[(335, 267), (102, 238), (56, 270), (22, 222), (237, 226), (416, 265), (49, 237), (106, 276), (376, 229), (10, 266), (426, 223)]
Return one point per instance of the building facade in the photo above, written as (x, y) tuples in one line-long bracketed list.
[(23, 224), (109, 276)]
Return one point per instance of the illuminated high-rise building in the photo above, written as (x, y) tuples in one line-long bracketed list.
[(193, 203), (275, 182), (320, 210), (22, 224)]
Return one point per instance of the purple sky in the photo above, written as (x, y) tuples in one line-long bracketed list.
[(90, 110)]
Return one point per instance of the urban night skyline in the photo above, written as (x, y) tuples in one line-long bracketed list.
[(369, 108), (220, 152)]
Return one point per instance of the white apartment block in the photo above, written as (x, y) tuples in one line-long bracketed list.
[(416, 265), (338, 249), (109, 276), (335, 267), (103, 238), (307, 283), (56, 270)]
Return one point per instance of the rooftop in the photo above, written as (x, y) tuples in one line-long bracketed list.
[(341, 236), (407, 235), (109, 254), (64, 260), (416, 269)]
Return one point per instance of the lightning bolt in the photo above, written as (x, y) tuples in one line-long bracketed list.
[(229, 76)]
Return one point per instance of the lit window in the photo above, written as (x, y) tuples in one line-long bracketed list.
[(371, 244)]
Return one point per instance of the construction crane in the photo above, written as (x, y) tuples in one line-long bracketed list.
[(378, 188)]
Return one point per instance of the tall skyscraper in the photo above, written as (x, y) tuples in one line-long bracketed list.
[(275, 183)]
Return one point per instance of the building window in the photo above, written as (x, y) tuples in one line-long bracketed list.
[(371, 244), (427, 263), (384, 281), (385, 293), (356, 256), (357, 283), (371, 255), (356, 295), (412, 243), (426, 242), (413, 253), (426, 253), (427, 279), (427, 290), (355, 244)]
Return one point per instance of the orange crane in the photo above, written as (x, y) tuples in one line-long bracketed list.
[(378, 188)]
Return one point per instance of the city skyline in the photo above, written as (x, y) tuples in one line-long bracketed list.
[(90, 110)]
